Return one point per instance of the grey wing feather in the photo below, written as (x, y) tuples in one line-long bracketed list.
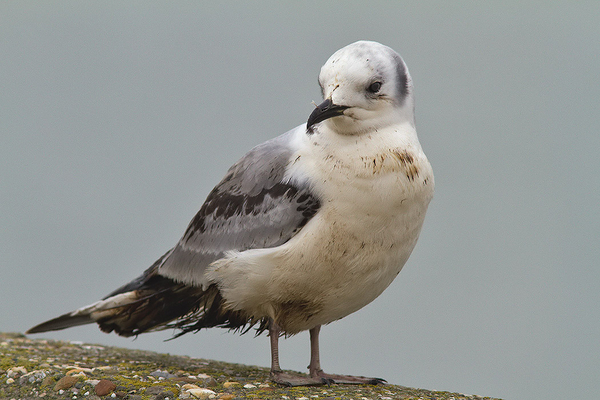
[(252, 207)]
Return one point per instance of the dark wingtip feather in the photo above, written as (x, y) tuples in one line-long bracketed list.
[(211, 312), (153, 302), (62, 322)]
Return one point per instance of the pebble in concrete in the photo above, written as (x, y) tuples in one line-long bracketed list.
[(104, 387), (66, 382)]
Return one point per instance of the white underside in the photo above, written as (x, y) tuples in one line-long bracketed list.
[(107, 307), (375, 189)]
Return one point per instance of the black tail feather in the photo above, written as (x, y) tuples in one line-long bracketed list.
[(165, 304), (62, 322), (153, 302), (213, 313)]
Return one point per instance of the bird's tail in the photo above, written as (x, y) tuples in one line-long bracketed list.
[(95, 312), (153, 302)]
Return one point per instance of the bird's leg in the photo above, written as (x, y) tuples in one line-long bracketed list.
[(274, 332), (314, 368), (316, 372), (316, 375), (277, 375)]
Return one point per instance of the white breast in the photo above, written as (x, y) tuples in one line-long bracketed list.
[(375, 190)]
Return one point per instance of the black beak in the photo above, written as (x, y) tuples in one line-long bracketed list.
[(324, 111)]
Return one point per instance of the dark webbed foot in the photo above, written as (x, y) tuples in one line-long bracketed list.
[(293, 380), (350, 379), (321, 378)]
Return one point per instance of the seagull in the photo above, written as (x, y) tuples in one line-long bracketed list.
[(303, 230)]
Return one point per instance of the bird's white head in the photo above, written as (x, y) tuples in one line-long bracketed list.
[(365, 86)]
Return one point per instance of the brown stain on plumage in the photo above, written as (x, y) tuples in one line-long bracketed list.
[(399, 160), (408, 162)]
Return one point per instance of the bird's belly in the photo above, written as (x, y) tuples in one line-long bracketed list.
[(344, 258), (339, 265)]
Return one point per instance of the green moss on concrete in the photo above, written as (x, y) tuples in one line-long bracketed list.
[(131, 371)]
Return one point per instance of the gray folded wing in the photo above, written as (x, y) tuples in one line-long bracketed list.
[(254, 206)]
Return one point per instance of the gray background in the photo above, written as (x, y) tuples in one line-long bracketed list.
[(117, 119)]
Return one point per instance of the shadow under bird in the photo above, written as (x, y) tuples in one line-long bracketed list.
[(303, 230)]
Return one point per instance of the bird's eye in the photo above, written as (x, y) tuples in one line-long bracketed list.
[(374, 87)]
